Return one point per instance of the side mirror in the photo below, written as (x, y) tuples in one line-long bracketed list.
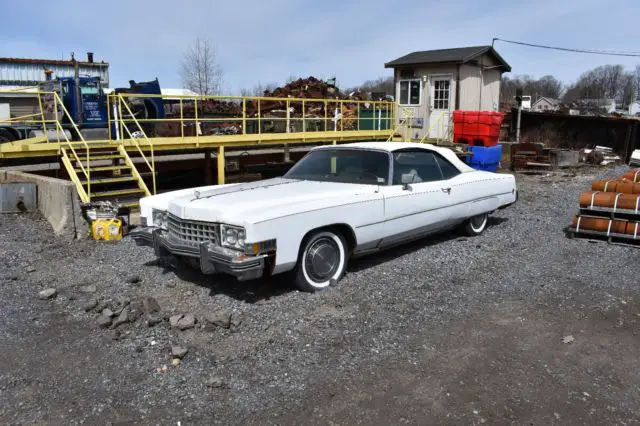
[(406, 179)]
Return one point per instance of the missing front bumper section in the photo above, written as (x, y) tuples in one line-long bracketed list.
[(212, 259)]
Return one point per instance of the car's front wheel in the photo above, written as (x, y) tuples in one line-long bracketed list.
[(322, 259), (475, 225)]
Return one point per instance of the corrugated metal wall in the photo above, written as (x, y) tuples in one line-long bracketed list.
[(24, 73)]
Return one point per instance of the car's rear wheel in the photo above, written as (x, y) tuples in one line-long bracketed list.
[(322, 260), (475, 225)]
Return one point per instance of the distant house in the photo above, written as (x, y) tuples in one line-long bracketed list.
[(432, 84), (545, 104), (634, 108)]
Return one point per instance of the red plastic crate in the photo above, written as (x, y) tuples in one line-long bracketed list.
[(477, 128)]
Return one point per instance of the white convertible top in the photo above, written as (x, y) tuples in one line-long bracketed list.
[(395, 146)]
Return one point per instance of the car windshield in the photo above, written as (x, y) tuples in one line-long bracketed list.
[(343, 165)]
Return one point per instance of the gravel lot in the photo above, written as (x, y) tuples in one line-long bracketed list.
[(450, 330)]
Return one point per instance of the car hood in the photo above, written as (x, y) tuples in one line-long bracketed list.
[(257, 201)]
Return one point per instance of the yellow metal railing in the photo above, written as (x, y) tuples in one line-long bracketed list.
[(85, 196), (199, 116), (439, 125), (404, 122), (135, 141)]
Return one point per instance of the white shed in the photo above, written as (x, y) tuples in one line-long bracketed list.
[(433, 83)]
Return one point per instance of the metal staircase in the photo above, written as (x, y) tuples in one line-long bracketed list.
[(105, 173)]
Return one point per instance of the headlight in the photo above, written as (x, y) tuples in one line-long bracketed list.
[(159, 218), (232, 236)]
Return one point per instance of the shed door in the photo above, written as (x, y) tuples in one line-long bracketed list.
[(439, 109)]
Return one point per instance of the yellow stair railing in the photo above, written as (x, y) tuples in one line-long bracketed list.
[(405, 119), (85, 195), (136, 144)]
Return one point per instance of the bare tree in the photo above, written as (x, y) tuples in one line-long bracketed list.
[(258, 89), (603, 82), (546, 86), (379, 85), (637, 77), (200, 71)]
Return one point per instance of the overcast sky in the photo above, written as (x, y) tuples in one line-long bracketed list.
[(263, 41)]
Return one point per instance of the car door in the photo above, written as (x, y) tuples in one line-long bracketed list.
[(417, 208)]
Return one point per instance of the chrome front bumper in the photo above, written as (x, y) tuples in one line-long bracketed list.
[(211, 258)]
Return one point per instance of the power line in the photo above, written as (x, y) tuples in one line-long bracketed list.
[(566, 49)]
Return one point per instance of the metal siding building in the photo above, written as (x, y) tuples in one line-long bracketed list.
[(30, 72), (433, 83), (17, 73)]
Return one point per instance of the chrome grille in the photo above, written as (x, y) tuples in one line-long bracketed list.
[(191, 232)]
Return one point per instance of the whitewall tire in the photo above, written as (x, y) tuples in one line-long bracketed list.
[(322, 260), (476, 224)]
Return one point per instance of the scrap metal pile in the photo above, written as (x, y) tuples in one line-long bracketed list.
[(610, 211), (225, 116)]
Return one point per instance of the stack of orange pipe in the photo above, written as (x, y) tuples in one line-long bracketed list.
[(633, 175), (624, 186), (609, 226), (613, 200)]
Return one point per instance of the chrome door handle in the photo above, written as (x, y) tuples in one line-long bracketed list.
[(447, 190)]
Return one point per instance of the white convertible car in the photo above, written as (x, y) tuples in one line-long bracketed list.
[(337, 202)]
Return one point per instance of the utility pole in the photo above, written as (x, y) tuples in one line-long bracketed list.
[(518, 125)]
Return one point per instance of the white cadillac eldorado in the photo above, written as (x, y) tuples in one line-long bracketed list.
[(337, 202)]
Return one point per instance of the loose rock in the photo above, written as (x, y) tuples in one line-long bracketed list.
[(219, 318), (186, 322), (236, 320), (123, 318), (107, 312), (173, 321), (104, 321), (215, 382), (90, 305), (179, 351), (31, 269), (154, 320), (115, 335), (135, 311), (88, 288), (101, 306), (49, 293), (150, 306), (134, 279)]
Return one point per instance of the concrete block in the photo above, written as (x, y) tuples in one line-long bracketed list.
[(58, 201)]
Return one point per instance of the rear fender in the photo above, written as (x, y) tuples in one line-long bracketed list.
[(486, 205)]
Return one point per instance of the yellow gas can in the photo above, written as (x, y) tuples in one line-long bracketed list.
[(107, 229)]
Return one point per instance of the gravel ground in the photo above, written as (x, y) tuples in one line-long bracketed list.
[(450, 330)]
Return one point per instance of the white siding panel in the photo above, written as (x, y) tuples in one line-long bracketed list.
[(469, 88), (491, 90)]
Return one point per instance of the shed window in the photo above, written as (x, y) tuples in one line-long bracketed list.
[(410, 92)]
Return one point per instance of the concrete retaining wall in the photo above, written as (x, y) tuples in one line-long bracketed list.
[(58, 202)]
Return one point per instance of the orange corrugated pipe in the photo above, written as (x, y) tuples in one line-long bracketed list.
[(611, 226), (633, 175), (623, 186), (612, 200)]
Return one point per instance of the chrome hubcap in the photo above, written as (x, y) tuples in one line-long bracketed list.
[(322, 259)]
